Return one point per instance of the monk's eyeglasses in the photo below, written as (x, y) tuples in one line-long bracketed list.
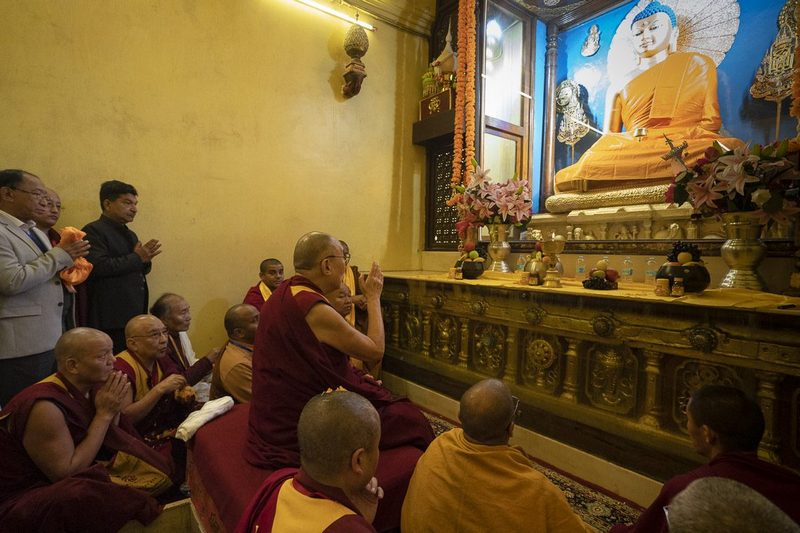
[(153, 335), (346, 258), (516, 413)]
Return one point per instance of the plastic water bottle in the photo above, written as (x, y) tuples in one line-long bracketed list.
[(580, 267), (627, 269), (521, 263), (651, 271)]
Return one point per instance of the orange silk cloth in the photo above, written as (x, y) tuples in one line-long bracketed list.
[(459, 486), (676, 98), (80, 269)]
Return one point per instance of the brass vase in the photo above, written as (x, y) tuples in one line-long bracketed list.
[(742, 252), (499, 249)]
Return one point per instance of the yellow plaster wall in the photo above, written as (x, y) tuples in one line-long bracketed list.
[(227, 117)]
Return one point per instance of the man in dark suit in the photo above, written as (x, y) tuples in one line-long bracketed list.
[(31, 298), (117, 286)]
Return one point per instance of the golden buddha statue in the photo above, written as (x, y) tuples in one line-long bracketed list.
[(666, 93)]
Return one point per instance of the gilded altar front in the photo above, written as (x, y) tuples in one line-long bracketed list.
[(609, 372)]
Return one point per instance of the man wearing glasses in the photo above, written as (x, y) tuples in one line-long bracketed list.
[(153, 404), (31, 298), (471, 479), (302, 349)]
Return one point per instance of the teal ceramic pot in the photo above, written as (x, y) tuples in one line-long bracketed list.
[(695, 277)]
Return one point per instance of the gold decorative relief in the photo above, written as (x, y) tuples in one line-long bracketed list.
[(489, 349), (611, 380), (690, 376), (603, 325), (702, 339), (444, 345), (541, 361), (477, 307), (534, 315), (386, 313), (410, 329)]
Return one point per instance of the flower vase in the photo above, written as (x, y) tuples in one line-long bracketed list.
[(499, 249), (742, 252)]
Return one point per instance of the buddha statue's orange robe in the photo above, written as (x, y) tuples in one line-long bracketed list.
[(677, 98)]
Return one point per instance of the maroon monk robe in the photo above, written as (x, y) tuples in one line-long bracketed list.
[(254, 297), (194, 373), (86, 501), (260, 513), (290, 366), (779, 485)]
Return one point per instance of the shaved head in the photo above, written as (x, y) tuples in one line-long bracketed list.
[(147, 337), (141, 324), (312, 248), (237, 316), (76, 343), (266, 263), (486, 411), (331, 427), (241, 322)]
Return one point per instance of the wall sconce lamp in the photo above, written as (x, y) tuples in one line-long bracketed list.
[(356, 45), (337, 14)]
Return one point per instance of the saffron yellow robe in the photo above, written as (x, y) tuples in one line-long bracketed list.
[(459, 486), (677, 98)]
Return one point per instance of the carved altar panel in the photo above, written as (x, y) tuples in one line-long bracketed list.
[(411, 329), (611, 378), (488, 348), (690, 376), (444, 341), (542, 361), (605, 374)]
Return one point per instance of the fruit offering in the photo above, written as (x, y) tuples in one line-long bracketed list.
[(684, 263), (601, 277), (470, 256), (684, 253)]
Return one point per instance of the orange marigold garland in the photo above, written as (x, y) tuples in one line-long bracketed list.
[(458, 126), (464, 127), (469, 89)]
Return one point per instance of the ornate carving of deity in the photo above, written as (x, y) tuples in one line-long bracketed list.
[(773, 80), (592, 43), (574, 124)]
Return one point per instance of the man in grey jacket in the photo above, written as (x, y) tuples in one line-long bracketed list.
[(31, 298)]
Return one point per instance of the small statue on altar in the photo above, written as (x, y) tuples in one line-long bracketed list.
[(665, 91)]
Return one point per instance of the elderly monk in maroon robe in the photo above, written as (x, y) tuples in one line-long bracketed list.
[(725, 426), (301, 349), (68, 460)]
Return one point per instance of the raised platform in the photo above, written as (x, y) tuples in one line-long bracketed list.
[(608, 372)]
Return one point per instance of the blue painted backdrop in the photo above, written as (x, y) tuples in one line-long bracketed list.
[(742, 116)]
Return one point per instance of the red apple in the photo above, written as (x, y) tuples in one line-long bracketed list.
[(612, 275)]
